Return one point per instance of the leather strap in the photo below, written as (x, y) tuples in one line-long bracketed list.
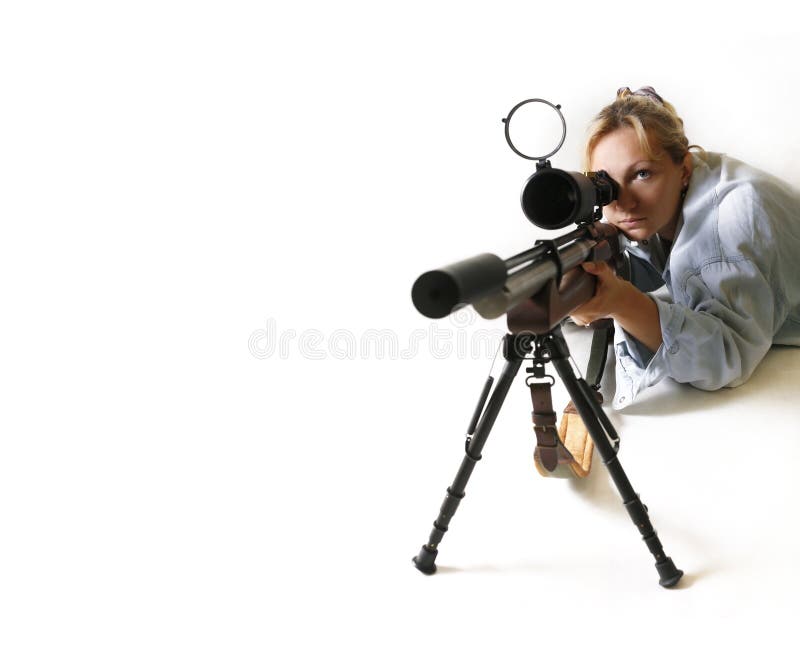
[(567, 451), (550, 451)]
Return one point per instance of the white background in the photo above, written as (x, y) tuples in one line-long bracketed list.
[(181, 179)]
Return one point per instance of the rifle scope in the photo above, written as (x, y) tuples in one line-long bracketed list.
[(554, 199)]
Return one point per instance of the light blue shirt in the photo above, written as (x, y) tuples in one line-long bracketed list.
[(732, 281)]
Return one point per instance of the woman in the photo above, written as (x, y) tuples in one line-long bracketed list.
[(723, 237)]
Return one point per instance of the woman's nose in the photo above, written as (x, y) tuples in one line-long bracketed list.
[(625, 199)]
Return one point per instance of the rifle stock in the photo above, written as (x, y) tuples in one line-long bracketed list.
[(553, 303)]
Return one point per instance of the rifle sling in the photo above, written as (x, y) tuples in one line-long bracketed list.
[(550, 451), (601, 338), (552, 457)]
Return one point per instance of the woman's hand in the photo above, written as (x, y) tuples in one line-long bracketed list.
[(609, 295), (615, 298)]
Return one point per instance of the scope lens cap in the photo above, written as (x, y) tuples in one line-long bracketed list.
[(529, 124)]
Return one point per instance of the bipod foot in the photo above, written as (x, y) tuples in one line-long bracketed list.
[(670, 575), (424, 561)]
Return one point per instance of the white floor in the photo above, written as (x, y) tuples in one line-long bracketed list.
[(532, 564), (272, 508)]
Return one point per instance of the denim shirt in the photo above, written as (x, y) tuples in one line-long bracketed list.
[(732, 282)]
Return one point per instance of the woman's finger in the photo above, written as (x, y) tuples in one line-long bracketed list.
[(599, 268)]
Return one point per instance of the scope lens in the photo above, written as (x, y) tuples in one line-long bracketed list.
[(550, 199)]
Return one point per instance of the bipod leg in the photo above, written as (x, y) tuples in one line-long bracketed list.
[(578, 390), (425, 560)]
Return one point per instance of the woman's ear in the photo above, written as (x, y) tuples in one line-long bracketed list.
[(687, 168)]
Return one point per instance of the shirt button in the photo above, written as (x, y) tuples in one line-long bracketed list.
[(673, 349)]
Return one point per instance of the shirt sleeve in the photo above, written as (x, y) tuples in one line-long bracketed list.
[(714, 341)]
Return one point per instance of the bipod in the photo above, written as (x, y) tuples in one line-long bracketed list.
[(549, 347)]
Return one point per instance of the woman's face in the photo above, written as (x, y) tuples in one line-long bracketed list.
[(649, 190)]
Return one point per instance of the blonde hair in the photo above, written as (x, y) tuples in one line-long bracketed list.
[(650, 116)]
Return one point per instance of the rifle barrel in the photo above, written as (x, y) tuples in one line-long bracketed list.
[(528, 281), (540, 250)]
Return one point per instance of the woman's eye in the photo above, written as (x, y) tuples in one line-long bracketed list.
[(643, 174)]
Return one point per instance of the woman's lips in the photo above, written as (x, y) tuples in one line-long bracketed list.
[(630, 222)]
